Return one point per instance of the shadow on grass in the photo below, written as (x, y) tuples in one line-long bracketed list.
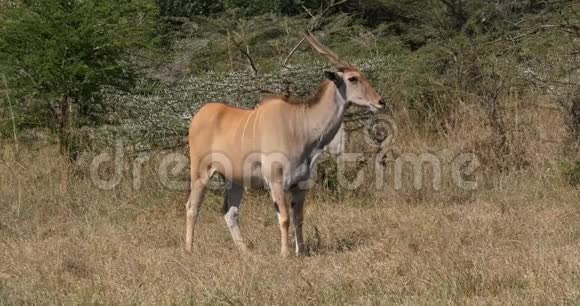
[(316, 245)]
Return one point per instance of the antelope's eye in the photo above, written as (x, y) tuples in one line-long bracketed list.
[(353, 79)]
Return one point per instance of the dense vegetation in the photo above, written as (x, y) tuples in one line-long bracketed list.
[(61, 58)]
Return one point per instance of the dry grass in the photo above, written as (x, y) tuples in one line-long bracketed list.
[(516, 240)]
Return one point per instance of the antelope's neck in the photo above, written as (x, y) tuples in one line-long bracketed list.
[(325, 116)]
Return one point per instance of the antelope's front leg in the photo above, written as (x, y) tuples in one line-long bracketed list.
[(280, 203)]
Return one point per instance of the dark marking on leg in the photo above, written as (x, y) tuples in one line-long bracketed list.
[(226, 203), (276, 207)]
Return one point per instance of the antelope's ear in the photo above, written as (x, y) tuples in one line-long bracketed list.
[(334, 76)]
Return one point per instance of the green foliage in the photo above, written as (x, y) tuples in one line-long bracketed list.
[(188, 8), (73, 47), (60, 54), (571, 172), (216, 44), (245, 8)]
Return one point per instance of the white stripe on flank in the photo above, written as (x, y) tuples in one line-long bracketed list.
[(244, 131)]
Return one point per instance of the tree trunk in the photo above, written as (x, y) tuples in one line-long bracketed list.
[(575, 118), (65, 128)]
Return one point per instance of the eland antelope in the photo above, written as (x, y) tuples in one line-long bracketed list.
[(273, 145)]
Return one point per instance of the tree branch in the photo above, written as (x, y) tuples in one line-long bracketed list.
[(11, 113), (246, 53), (285, 64), (317, 19)]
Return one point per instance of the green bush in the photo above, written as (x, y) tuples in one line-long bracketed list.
[(571, 172), (58, 55)]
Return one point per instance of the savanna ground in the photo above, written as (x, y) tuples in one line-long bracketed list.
[(514, 240)]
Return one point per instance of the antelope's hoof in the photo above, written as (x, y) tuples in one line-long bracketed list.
[(243, 249), (285, 253)]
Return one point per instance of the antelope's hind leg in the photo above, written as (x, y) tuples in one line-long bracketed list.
[(192, 210), (232, 203), (297, 203)]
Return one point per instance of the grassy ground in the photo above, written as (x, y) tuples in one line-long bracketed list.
[(62, 241)]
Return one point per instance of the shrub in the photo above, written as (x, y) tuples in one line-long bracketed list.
[(571, 171), (59, 54)]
